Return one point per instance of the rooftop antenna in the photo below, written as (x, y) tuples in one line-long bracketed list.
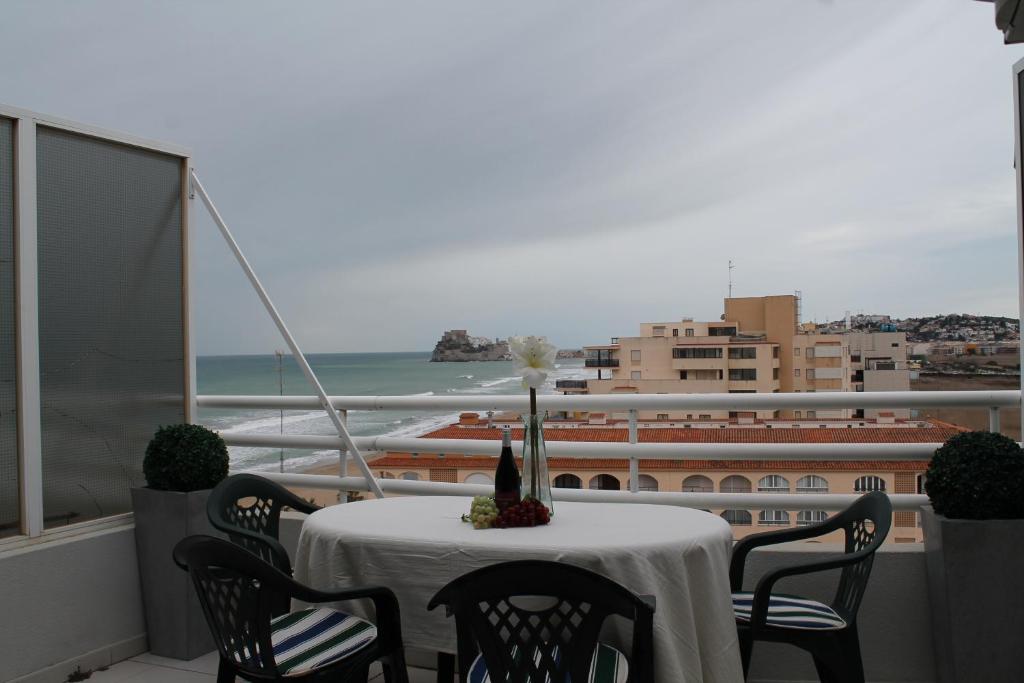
[(731, 266)]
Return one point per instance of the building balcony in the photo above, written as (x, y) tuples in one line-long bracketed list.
[(601, 363), (102, 552), (699, 364), (571, 385)]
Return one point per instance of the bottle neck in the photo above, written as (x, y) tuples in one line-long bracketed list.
[(506, 438)]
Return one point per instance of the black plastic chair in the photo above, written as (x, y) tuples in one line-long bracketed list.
[(504, 632), (827, 632), (239, 593), (256, 526)]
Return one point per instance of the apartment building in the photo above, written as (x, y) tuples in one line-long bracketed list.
[(878, 361), (757, 347)]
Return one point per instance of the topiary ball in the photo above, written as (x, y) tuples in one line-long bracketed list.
[(185, 457), (977, 475)]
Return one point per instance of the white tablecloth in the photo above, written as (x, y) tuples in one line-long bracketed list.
[(416, 545)]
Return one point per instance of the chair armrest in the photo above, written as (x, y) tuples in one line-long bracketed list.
[(763, 591), (737, 563), (295, 502)]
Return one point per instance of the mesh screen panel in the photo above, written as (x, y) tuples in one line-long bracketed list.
[(110, 317), (9, 500)]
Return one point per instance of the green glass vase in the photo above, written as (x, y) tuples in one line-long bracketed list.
[(536, 480)]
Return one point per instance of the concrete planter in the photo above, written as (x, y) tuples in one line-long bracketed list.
[(175, 624), (975, 569)]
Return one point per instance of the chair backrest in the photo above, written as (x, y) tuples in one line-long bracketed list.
[(866, 524), (534, 620), (253, 503), (239, 594)]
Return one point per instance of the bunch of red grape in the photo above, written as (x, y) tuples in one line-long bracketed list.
[(528, 512)]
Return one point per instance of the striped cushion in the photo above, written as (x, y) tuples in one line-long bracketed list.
[(311, 638), (607, 666), (787, 611)]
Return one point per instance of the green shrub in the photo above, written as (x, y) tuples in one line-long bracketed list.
[(977, 475), (185, 457)]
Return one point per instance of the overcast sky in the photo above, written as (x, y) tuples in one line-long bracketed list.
[(572, 169)]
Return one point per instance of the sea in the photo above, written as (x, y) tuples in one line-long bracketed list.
[(365, 374)]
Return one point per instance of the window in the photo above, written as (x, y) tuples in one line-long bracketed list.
[(810, 352), (662, 416), (738, 517), (796, 372), (735, 484), (634, 374), (698, 483), (812, 484), (796, 352), (410, 476), (698, 352), (646, 482), (855, 358), (721, 331), (775, 352), (773, 483), (798, 414), (773, 518), (703, 416), (869, 483), (689, 331), (775, 373), (659, 331), (386, 475), (810, 373), (744, 352), (675, 331), (895, 344), (706, 375), (111, 345), (479, 478), (568, 481), (805, 517), (10, 504), (811, 414), (604, 482), (634, 356), (742, 374)]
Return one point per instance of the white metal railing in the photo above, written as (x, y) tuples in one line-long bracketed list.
[(606, 402), (632, 451)]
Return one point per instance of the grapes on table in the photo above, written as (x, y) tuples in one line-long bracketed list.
[(484, 514)]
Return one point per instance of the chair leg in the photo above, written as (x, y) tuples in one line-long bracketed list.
[(825, 674), (225, 672), (746, 649), (445, 667), (395, 669), (852, 664)]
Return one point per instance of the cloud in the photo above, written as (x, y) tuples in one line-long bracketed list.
[(568, 169)]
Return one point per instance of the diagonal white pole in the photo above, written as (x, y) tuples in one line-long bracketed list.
[(325, 402)]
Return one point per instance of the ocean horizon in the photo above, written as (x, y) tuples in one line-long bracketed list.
[(354, 374)]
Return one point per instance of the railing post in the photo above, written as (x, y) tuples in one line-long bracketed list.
[(634, 463), (993, 419), (343, 451)]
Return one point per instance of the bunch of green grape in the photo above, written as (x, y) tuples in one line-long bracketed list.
[(483, 512)]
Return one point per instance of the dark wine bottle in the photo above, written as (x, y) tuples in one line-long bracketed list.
[(506, 477)]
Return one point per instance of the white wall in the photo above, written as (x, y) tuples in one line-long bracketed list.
[(70, 602)]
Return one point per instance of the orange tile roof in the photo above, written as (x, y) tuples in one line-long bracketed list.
[(936, 433)]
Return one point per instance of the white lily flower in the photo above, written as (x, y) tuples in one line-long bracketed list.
[(534, 358)]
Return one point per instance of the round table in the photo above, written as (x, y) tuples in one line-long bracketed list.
[(416, 545)]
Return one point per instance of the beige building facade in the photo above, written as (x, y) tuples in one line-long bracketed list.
[(758, 347)]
